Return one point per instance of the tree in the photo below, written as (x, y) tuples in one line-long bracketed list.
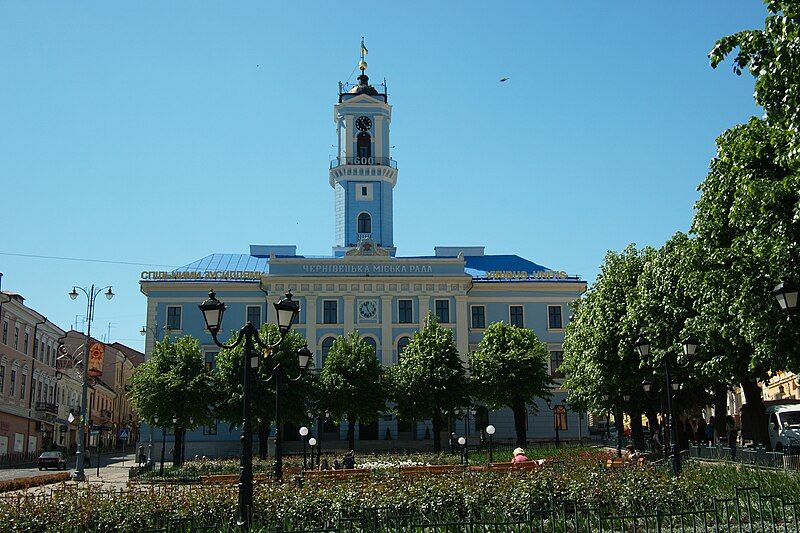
[(509, 369), (174, 382), (599, 357), (772, 56), (747, 223), (230, 385), (430, 379), (350, 383)]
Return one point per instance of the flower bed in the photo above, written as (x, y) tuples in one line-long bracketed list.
[(35, 481), (474, 495)]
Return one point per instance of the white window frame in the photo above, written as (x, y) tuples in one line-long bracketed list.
[(247, 314), (364, 197), (524, 321), (548, 317), (473, 328), (166, 316), (323, 311)]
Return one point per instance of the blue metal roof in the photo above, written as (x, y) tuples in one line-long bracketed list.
[(214, 262), (479, 265)]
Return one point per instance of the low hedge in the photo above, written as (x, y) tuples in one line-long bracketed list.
[(35, 481)]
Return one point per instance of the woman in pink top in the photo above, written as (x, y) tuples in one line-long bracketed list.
[(519, 456)]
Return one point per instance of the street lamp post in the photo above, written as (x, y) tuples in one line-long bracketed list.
[(464, 451), (490, 431), (617, 409), (313, 442), (91, 297), (287, 311), (304, 436), (690, 345), (559, 410)]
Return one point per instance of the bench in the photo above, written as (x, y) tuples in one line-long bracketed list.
[(228, 479), (352, 474), (410, 471), (524, 466), (619, 462)]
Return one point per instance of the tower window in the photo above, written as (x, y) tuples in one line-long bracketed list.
[(364, 223), (364, 147)]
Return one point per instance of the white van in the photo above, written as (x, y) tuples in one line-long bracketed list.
[(784, 427)]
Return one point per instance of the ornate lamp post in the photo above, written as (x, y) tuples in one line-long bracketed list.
[(490, 431), (91, 297), (287, 311), (304, 437), (464, 452), (559, 410), (690, 345)]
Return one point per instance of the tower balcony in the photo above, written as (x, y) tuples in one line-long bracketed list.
[(363, 168), (366, 161)]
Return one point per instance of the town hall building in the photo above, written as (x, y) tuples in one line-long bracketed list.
[(366, 285)]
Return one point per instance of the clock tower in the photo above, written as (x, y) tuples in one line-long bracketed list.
[(363, 174)]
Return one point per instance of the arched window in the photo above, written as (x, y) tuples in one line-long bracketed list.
[(401, 345), (364, 223), (363, 146), (326, 347), (373, 344)]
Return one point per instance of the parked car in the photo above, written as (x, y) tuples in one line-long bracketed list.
[(52, 459)]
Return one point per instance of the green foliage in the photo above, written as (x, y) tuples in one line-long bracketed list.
[(772, 56), (599, 356), (480, 495), (747, 224), (430, 378), (174, 381), (230, 385), (350, 380), (510, 365)]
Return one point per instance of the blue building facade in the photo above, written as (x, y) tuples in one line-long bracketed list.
[(365, 286)]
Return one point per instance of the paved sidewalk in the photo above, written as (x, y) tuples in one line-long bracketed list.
[(113, 475)]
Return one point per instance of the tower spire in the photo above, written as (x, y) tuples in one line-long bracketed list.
[(363, 64)]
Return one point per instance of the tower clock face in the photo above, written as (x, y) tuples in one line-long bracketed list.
[(367, 309), (363, 123)]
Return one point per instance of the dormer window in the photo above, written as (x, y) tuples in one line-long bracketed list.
[(364, 223)]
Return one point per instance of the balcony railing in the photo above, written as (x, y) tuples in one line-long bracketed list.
[(380, 161), (47, 407)]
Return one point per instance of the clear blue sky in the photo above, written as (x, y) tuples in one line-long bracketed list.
[(160, 132)]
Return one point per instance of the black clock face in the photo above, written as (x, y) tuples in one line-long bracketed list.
[(363, 123)]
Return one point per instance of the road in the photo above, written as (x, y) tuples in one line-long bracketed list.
[(112, 466)]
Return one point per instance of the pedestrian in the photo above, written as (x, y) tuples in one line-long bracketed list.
[(730, 427), (631, 454), (142, 456), (519, 456), (349, 460), (453, 442), (483, 438), (701, 430), (658, 446), (324, 464), (710, 430), (336, 464)]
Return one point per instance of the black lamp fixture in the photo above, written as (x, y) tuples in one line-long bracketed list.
[(642, 346), (690, 345), (287, 312), (786, 294)]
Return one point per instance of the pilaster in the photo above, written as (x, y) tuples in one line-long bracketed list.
[(349, 313), (387, 343), (462, 333)]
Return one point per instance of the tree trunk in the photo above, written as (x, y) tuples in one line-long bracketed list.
[(754, 417), (720, 410), (351, 431), (520, 413), (637, 434), (437, 432), (177, 458), (263, 439), (652, 419)]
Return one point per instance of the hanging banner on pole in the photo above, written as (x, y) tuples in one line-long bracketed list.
[(96, 352)]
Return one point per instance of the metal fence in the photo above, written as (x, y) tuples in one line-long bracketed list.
[(758, 456), (748, 510)]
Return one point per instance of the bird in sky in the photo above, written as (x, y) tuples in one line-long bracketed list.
[(503, 79)]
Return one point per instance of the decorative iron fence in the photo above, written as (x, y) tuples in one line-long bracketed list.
[(754, 456), (748, 510)]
